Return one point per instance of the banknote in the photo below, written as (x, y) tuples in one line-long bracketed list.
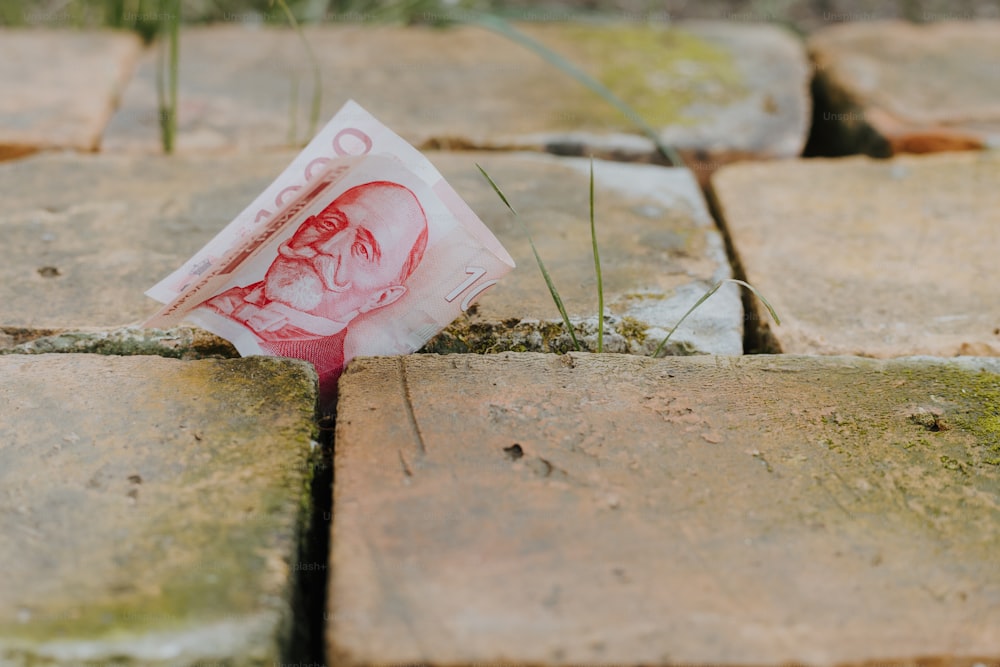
[(359, 247)]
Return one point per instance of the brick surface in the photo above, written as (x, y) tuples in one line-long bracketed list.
[(82, 254), (606, 509), (720, 91), (659, 253), (152, 508), (876, 258), (888, 87), (60, 87)]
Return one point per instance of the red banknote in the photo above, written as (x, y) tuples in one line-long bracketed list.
[(358, 248)]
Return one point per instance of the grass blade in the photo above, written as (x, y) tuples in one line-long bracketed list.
[(704, 297), (597, 265), (317, 97), (405, 11), (174, 16), (166, 94), (541, 265), (496, 189), (114, 13), (502, 27)]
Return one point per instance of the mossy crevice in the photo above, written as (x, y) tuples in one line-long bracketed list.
[(176, 343), (624, 334), (12, 336), (632, 329), (627, 335)]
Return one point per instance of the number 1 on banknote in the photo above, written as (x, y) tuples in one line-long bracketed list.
[(358, 248)]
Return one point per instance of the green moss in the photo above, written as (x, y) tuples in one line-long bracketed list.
[(632, 329), (952, 464), (21, 335), (212, 543), (679, 348), (660, 73), (963, 401), (476, 337), (467, 336), (979, 396), (902, 443), (220, 582), (957, 400), (177, 343)]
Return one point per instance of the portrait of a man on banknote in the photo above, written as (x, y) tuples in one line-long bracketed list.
[(351, 258)]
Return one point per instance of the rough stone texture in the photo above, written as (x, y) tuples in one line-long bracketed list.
[(869, 257), (85, 237), (889, 87), (81, 254), (604, 509), (60, 87), (152, 508), (719, 90)]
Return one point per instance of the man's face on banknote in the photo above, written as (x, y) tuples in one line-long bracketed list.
[(352, 257), (349, 259)]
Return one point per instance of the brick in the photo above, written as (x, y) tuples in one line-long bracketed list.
[(608, 509), (152, 508), (720, 91), (891, 87), (869, 257), (60, 87)]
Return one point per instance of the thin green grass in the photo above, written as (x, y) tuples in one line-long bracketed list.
[(600, 281), (169, 54), (317, 96), (114, 13), (597, 265), (293, 111), (538, 258), (408, 12), (712, 290)]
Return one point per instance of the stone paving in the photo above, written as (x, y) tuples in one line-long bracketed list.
[(603, 509), (871, 257), (517, 508), (717, 91), (122, 222), (152, 509), (60, 88), (894, 87)]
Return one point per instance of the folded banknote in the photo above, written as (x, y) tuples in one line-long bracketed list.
[(359, 247)]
